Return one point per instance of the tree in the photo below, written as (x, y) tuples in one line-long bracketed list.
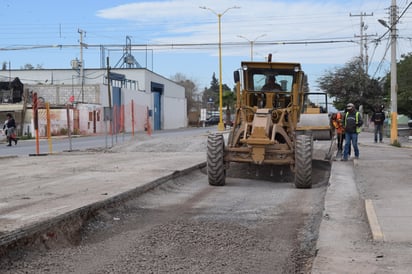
[(31, 67), (211, 95), (229, 99), (190, 90), (28, 67), (350, 83), (214, 84), (404, 95)]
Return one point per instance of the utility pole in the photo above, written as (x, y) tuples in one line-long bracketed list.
[(366, 55), (363, 37), (81, 32), (394, 81), (364, 61), (394, 76), (365, 45)]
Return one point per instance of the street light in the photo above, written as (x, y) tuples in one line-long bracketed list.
[(252, 42), (220, 126), (384, 23), (394, 84)]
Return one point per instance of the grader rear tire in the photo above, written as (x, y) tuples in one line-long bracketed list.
[(216, 171), (303, 161)]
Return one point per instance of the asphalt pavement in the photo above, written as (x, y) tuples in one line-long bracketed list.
[(366, 221)]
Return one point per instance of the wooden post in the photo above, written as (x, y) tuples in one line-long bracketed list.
[(69, 134), (132, 117), (36, 121), (49, 128), (148, 127)]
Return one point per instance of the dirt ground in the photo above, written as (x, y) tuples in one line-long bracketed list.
[(258, 223)]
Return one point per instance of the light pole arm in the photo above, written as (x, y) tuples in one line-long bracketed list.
[(252, 42)]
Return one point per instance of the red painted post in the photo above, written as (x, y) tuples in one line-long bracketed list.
[(122, 129)]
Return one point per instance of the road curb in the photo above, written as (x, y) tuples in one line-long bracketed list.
[(8, 156), (374, 226)]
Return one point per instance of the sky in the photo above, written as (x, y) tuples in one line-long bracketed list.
[(178, 37)]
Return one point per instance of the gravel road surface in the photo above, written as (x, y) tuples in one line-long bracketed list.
[(258, 223)]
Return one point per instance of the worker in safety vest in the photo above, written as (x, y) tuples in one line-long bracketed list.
[(352, 123), (337, 122)]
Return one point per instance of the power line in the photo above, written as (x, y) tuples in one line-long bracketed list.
[(383, 58), (185, 45)]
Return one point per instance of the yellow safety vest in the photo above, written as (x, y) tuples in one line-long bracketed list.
[(358, 129)]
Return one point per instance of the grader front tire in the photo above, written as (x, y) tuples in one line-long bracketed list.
[(216, 171), (303, 161)]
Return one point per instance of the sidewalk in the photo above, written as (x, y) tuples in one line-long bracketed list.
[(368, 212)]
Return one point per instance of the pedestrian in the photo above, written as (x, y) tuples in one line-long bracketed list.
[(337, 122), (10, 128), (350, 146), (5, 128), (378, 117), (352, 123)]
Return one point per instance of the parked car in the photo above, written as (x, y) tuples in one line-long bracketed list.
[(212, 120), (410, 123)]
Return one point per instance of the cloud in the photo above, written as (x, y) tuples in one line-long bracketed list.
[(148, 11), (183, 22), (277, 19)]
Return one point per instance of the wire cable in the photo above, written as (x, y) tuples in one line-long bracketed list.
[(383, 58)]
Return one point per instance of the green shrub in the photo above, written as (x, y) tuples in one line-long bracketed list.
[(63, 131)]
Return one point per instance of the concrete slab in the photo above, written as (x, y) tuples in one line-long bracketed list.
[(57, 184), (381, 177)]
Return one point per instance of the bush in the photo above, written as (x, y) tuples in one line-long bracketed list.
[(26, 137), (63, 131)]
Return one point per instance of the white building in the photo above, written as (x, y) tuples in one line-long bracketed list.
[(148, 92)]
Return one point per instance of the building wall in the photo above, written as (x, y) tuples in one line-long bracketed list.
[(86, 119), (58, 122), (60, 94), (174, 117), (58, 86)]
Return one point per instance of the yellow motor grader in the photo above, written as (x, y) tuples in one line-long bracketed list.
[(271, 100)]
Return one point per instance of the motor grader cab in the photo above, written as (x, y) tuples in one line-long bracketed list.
[(265, 129)]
